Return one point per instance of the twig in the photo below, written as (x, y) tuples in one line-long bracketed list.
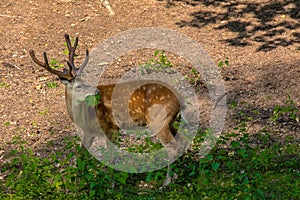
[(6, 64), (106, 4), (11, 16)]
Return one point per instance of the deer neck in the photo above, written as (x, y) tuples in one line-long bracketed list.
[(80, 113), (68, 96)]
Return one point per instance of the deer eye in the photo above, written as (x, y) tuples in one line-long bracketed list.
[(78, 87)]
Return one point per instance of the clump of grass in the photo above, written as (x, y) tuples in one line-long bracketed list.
[(4, 85), (288, 111), (224, 62), (52, 85), (159, 62)]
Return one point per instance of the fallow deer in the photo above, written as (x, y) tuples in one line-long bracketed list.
[(152, 104)]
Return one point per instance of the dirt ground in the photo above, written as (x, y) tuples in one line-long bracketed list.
[(261, 39)]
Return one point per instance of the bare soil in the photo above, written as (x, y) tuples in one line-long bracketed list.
[(261, 39)]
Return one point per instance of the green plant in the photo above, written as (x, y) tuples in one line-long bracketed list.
[(6, 123), (55, 64), (223, 63), (44, 112), (52, 85), (288, 110), (158, 62), (57, 176), (34, 123), (93, 100), (4, 85), (145, 145), (240, 166), (239, 171), (194, 77)]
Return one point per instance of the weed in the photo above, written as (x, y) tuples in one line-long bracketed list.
[(44, 112), (159, 62), (223, 63), (6, 123), (55, 64), (287, 111), (194, 77), (4, 85), (34, 124), (233, 105), (52, 85), (146, 145)]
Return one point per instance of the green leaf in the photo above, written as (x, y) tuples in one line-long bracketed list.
[(215, 166), (52, 85), (149, 177), (235, 144), (260, 192), (93, 100)]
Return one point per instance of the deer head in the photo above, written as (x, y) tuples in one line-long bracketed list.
[(76, 90)]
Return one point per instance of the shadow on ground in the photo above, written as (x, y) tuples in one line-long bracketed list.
[(272, 24)]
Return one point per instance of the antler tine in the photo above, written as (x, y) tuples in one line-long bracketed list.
[(66, 74), (72, 50), (82, 66)]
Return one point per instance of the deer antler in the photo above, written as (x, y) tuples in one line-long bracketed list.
[(72, 49), (66, 73)]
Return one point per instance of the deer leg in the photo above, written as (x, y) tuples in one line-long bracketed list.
[(171, 146), (168, 141), (157, 114), (89, 137), (88, 141), (111, 149), (169, 179)]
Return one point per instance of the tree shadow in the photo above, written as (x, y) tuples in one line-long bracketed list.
[(271, 24)]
